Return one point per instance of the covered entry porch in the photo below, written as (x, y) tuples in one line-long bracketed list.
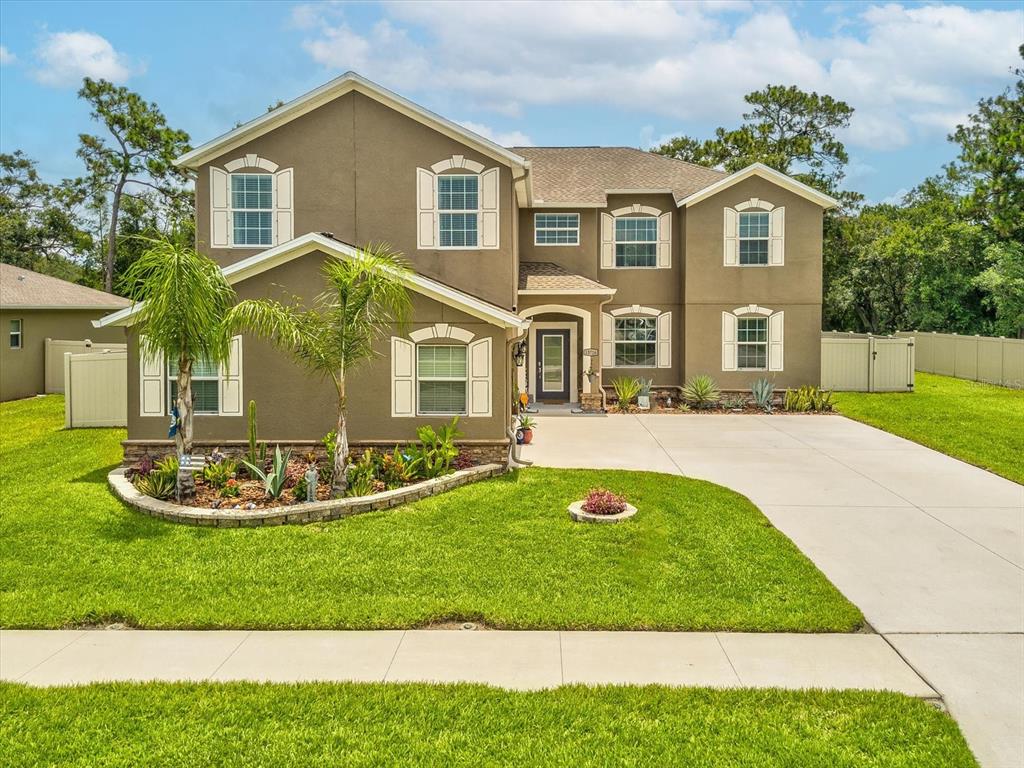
[(562, 364)]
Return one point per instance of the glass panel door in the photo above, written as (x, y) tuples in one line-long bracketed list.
[(552, 365)]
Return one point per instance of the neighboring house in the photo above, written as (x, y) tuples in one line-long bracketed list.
[(34, 308), (608, 261)]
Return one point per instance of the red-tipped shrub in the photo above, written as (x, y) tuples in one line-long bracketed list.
[(601, 501)]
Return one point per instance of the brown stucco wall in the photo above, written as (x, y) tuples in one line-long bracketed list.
[(801, 348), (22, 371), (795, 287), (294, 405), (355, 163)]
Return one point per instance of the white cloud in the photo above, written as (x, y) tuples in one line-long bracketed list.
[(502, 138), (66, 57), (6, 57), (896, 198), (908, 72)]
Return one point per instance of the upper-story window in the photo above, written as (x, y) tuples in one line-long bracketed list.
[(252, 208), (636, 241), (458, 203), (754, 232), (556, 229)]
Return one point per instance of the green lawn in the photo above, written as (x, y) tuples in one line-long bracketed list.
[(245, 724), (697, 557), (978, 423)]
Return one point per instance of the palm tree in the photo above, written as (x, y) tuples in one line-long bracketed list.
[(365, 293), (183, 298)]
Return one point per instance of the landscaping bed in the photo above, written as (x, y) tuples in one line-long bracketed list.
[(503, 552), (248, 724), (974, 422)]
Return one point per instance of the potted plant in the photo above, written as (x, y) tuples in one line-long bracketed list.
[(524, 431), (643, 399)]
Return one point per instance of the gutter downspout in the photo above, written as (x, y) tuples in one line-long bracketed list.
[(514, 459)]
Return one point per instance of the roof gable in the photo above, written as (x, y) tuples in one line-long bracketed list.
[(25, 289), (314, 241), (334, 89), (769, 174)]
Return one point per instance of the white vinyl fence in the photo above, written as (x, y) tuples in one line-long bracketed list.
[(854, 362), (978, 358), (96, 389), (53, 359)]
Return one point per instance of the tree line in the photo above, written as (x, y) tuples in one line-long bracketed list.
[(948, 257)]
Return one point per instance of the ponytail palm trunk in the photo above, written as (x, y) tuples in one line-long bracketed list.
[(365, 295), (184, 298)]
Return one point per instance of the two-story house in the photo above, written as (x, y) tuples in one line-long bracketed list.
[(579, 263)]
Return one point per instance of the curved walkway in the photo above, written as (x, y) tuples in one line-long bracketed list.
[(931, 549)]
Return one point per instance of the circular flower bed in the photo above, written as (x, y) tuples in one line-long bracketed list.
[(601, 506)]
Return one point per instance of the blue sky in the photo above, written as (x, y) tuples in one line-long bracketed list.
[(548, 74)]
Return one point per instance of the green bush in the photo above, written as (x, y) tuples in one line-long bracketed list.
[(156, 485), (436, 449), (626, 389), (808, 398), (217, 474), (701, 391)]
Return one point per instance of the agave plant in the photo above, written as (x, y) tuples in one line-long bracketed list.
[(763, 391), (701, 391), (274, 480), (626, 389)]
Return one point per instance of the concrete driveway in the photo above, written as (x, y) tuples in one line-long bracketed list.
[(930, 548)]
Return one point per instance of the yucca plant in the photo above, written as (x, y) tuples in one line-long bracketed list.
[(701, 391), (626, 389), (763, 391)]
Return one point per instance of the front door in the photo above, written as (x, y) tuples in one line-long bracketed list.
[(552, 366)]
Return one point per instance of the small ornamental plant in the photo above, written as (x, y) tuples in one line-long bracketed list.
[(601, 501)]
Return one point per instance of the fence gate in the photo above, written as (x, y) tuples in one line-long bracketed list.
[(96, 389), (863, 363)]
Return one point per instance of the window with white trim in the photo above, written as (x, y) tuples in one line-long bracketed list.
[(556, 229), (441, 376), (636, 241), (753, 237), (636, 342), (458, 204), (751, 343), (15, 336), (252, 208), (205, 387)]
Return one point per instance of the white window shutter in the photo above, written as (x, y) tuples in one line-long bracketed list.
[(220, 209), (777, 235), (151, 382), (728, 341), (665, 340), (607, 241), (283, 214), (775, 337), (732, 240), (489, 207), (607, 340), (665, 240), (425, 209), (403, 395), (231, 381), (479, 378)]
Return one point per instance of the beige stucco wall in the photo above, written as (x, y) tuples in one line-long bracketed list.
[(22, 370), (355, 163), (294, 405)]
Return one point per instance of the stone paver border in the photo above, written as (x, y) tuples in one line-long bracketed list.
[(294, 514), (577, 513)]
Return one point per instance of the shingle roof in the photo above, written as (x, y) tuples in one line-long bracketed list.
[(25, 288), (545, 276), (584, 174)]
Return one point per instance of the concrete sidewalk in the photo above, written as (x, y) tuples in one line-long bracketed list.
[(515, 660)]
